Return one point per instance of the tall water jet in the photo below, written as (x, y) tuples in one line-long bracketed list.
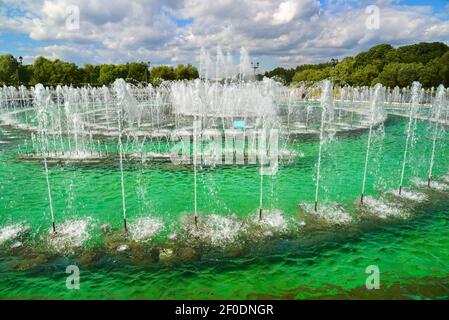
[(414, 103), (375, 115), (196, 128), (327, 117), (437, 107), (120, 88), (43, 99), (245, 64), (262, 150)]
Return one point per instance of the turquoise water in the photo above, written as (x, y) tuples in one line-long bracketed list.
[(319, 261)]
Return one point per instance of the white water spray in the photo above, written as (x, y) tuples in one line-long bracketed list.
[(416, 94), (438, 104)]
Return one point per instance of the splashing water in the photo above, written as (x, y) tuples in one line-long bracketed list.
[(383, 209), (273, 222), (215, 230), (333, 215), (433, 184), (409, 195), (145, 228), (12, 232), (71, 234)]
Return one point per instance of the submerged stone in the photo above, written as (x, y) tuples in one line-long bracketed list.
[(122, 247), (188, 254), (165, 254)]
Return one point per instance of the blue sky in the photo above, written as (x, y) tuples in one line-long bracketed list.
[(283, 32)]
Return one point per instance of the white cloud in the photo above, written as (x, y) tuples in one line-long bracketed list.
[(288, 32), (285, 13)]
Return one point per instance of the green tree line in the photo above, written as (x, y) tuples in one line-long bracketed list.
[(427, 63), (57, 72)]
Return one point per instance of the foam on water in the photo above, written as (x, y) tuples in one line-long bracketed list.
[(145, 228), (330, 214), (272, 222), (222, 230), (410, 195), (433, 184), (12, 232), (383, 209), (79, 155), (70, 235), (445, 178), (215, 229)]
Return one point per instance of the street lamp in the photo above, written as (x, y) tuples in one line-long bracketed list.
[(20, 60), (255, 66), (146, 74)]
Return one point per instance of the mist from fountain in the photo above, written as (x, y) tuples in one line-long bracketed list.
[(416, 95), (439, 110), (376, 113), (74, 124), (327, 118)]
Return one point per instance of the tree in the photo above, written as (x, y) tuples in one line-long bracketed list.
[(110, 72), (444, 69), (90, 74), (8, 70), (138, 71), (408, 73), (187, 72), (430, 74), (281, 74), (374, 56), (312, 75), (343, 71), (389, 75), (365, 76), (64, 73), (42, 71), (161, 73), (422, 52)]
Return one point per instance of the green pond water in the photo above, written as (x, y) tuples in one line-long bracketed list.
[(324, 261)]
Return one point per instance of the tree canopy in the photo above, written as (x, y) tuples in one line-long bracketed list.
[(424, 62), (57, 72)]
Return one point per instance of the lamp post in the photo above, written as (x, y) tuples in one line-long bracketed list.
[(148, 70), (255, 66), (20, 60)]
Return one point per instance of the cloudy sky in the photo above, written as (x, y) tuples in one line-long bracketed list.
[(275, 32)]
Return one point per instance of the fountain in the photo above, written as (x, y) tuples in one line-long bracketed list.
[(232, 127), (327, 117), (376, 115), (416, 91), (439, 105)]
